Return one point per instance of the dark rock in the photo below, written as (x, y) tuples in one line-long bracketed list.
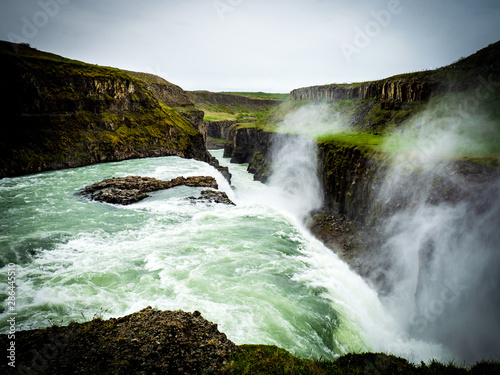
[(77, 114), (149, 341), (398, 90), (223, 170), (131, 189), (118, 196), (212, 196)]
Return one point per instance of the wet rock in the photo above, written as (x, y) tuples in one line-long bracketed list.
[(131, 189), (118, 196), (149, 341), (212, 196), (223, 170)]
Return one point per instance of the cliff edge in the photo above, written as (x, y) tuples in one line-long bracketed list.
[(60, 113)]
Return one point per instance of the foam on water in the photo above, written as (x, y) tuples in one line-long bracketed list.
[(251, 268)]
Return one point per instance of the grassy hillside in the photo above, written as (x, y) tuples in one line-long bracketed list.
[(259, 95), (239, 107), (261, 359), (60, 113)]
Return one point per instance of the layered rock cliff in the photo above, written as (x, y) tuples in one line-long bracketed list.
[(59, 113), (213, 98), (409, 89), (413, 87), (354, 169)]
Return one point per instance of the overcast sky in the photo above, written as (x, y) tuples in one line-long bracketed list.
[(256, 45)]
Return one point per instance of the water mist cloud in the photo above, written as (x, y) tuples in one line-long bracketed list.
[(294, 155), (314, 120), (440, 244)]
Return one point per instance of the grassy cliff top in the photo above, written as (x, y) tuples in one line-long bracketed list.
[(239, 107), (68, 113), (462, 122)]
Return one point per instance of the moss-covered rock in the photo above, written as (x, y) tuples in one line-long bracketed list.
[(59, 113)]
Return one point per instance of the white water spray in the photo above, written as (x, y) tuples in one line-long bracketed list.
[(440, 253), (294, 173)]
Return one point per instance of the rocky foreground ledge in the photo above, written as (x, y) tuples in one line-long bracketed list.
[(131, 189), (146, 342), (175, 342)]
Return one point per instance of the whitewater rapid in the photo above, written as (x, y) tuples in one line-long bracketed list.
[(251, 268)]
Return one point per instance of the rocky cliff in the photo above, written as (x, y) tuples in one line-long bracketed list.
[(213, 98), (59, 113), (413, 87), (353, 166), (243, 144), (408, 89)]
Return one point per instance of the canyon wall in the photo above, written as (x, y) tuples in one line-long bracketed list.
[(399, 90), (213, 98), (59, 113)]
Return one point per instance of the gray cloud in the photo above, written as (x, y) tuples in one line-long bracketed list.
[(254, 44)]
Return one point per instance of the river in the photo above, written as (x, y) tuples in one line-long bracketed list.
[(252, 268)]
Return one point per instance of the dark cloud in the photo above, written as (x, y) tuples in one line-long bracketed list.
[(256, 45)]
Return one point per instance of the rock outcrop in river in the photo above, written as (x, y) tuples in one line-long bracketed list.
[(131, 189)]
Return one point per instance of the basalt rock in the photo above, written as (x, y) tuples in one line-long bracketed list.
[(212, 196), (392, 90), (60, 113), (131, 189), (118, 196), (150, 341)]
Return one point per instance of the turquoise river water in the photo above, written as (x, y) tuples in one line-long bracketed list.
[(251, 268)]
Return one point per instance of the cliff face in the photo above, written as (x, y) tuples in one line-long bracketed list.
[(243, 145), (414, 87), (348, 177), (398, 90), (212, 98), (59, 113), (172, 96), (217, 133)]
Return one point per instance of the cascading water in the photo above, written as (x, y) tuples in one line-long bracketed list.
[(251, 268), (294, 173), (443, 250)]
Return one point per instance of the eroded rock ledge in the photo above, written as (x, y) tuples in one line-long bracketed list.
[(131, 189), (146, 342)]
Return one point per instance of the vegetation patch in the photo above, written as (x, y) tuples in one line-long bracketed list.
[(259, 95), (261, 359)]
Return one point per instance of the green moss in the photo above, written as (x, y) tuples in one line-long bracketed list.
[(79, 114), (259, 95), (262, 359), (366, 142)]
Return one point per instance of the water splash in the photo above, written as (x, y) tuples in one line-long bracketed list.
[(294, 172)]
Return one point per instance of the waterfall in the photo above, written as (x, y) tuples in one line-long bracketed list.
[(294, 172)]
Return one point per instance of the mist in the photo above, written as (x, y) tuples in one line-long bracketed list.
[(315, 120), (439, 253), (294, 162), (438, 237)]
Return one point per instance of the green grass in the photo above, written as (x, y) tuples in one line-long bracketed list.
[(368, 140), (243, 107), (262, 359), (211, 116), (259, 95), (79, 121)]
